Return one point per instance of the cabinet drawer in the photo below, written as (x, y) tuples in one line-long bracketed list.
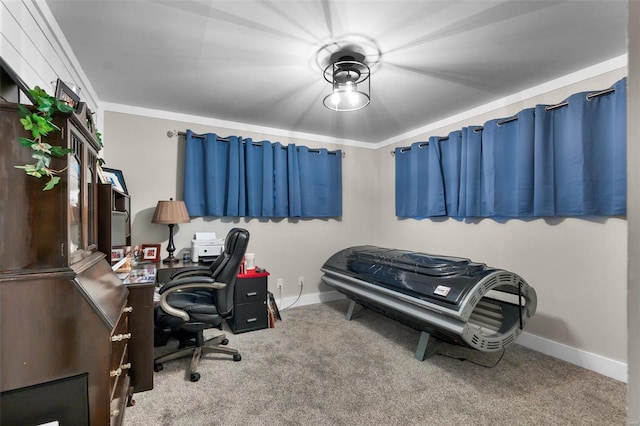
[(119, 365), (249, 316), (250, 290), (119, 339), (119, 401)]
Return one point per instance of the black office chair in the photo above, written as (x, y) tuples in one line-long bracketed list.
[(199, 298)]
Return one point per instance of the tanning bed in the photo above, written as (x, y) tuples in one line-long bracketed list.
[(447, 298)]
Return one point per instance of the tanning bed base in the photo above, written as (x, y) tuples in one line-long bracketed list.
[(446, 298)]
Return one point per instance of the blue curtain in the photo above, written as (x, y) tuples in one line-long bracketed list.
[(507, 165), (562, 160), (451, 160), (280, 181), (293, 179), (470, 200), (320, 175), (217, 190), (581, 152), (231, 177), (419, 180), (259, 178)]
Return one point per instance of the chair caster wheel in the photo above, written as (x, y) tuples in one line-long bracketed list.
[(237, 357), (224, 342), (195, 377), (157, 367)]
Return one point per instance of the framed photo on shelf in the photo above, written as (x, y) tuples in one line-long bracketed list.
[(115, 178), (66, 94), (151, 252), (123, 256), (117, 254)]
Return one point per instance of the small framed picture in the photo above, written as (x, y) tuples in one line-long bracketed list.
[(117, 254), (115, 178), (151, 252), (66, 94)]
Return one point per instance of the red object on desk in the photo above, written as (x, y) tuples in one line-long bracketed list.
[(253, 274)]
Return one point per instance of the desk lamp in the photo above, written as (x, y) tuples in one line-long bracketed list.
[(169, 213)]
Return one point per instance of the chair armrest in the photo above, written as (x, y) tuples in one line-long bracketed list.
[(184, 284), (193, 270)]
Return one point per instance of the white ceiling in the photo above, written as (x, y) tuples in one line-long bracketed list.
[(255, 62)]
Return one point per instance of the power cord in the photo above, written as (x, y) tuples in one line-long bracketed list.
[(295, 301), (476, 363)]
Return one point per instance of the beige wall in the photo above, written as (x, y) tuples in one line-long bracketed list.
[(633, 213), (287, 248), (577, 266), (31, 45)]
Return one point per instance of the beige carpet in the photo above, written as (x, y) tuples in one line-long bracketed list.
[(317, 368)]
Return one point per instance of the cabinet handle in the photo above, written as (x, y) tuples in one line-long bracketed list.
[(114, 413), (253, 293), (119, 337), (252, 319), (128, 309), (118, 371)]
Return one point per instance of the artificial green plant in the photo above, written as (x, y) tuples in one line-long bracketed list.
[(39, 123)]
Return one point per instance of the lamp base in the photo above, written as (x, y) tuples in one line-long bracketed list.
[(171, 259)]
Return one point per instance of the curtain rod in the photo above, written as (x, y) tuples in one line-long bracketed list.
[(589, 97), (174, 133)]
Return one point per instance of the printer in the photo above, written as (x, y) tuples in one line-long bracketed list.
[(205, 247)]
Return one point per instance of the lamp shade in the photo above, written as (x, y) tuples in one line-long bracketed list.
[(171, 212), (350, 83)]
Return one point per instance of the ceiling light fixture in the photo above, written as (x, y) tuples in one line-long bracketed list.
[(350, 81)]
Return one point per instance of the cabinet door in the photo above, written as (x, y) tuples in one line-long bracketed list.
[(33, 224), (92, 200), (75, 198), (81, 195)]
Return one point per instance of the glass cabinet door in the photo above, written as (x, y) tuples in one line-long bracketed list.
[(92, 201), (75, 194)]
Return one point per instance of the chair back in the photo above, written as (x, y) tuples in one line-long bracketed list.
[(226, 270)]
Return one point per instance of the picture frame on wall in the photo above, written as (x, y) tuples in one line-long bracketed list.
[(66, 94), (115, 178), (151, 252)]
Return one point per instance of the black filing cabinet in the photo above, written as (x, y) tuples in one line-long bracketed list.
[(250, 303)]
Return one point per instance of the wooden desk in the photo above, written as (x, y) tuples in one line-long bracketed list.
[(141, 282), (165, 270), (141, 327)]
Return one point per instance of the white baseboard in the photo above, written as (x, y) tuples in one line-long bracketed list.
[(309, 299), (607, 367)]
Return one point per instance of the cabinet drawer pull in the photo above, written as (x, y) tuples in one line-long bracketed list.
[(125, 366), (119, 337), (128, 309), (252, 319), (253, 293), (114, 413), (115, 373)]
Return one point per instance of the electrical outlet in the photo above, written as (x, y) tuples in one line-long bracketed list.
[(301, 281), (280, 282)]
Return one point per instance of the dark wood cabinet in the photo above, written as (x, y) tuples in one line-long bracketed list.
[(141, 328), (47, 229), (114, 214), (63, 312)]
